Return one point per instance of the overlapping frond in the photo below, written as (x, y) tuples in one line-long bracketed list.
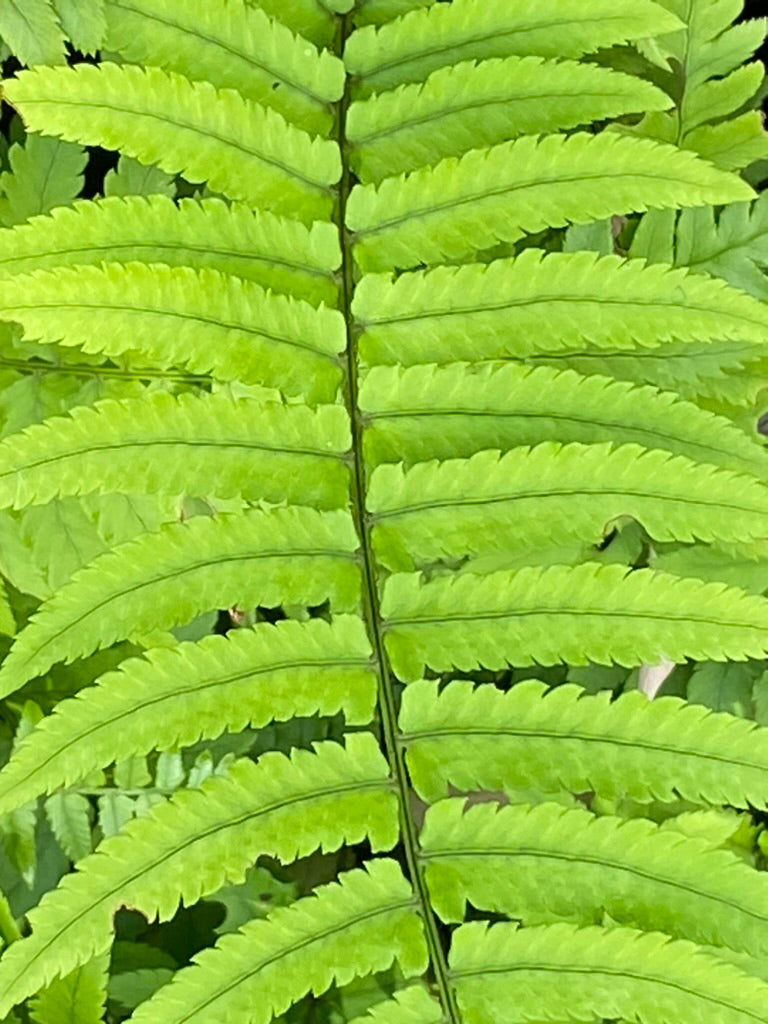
[(468, 106), (482, 739), (412, 1005), (191, 845), (590, 613), (175, 696), (553, 493), (440, 412), (459, 206), (548, 863), (238, 147), (506, 974), (232, 46), (408, 49), (347, 929), (294, 555), (205, 320), (33, 29), (539, 303), (275, 252), (187, 444), (711, 83), (377, 12), (84, 23), (80, 997), (310, 18)]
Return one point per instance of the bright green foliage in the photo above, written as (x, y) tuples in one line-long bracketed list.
[(194, 691), (461, 205), (274, 252), (527, 306), (351, 928), (243, 50), (466, 105), (493, 503), (33, 30), (79, 997), (44, 173), (237, 146), (503, 974), (414, 45), (285, 808), (481, 739), (711, 83), (175, 445), (430, 412), (390, 349), (211, 322)]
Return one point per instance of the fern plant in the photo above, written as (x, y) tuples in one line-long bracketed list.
[(385, 374)]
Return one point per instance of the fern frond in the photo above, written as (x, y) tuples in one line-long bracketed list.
[(526, 498), (440, 412), (726, 370), (408, 49), (232, 46), (738, 567), (546, 303), (412, 1005), (195, 444), (506, 974), (666, 749), (710, 81), (79, 998), (588, 613), (33, 30), (191, 845), (205, 320), (462, 205), (276, 253), (177, 696), (376, 12), (293, 555), (43, 173), (351, 928), (734, 246), (549, 862), (216, 136), (84, 22), (469, 106), (310, 18)]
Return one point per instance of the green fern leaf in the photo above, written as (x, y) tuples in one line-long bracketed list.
[(234, 47), (408, 49), (69, 815), (310, 18), (462, 205), (79, 998), (597, 613), (546, 863), (521, 500), (506, 974), (162, 444), (294, 555), (236, 146), (179, 695), (547, 303), (412, 1005), (350, 928), (734, 246), (43, 173), (376, 12), (130, 178), (191, 845), (470, 105), (430, 412), (32, 29), (84, 22), (482, 739), (276, 253), (203, 319)]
